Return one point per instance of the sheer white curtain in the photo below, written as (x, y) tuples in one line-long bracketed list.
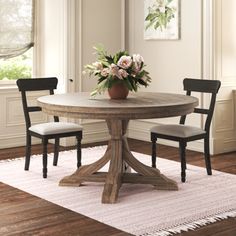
[(16, 27)]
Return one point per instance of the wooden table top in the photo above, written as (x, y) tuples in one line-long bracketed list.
[(138, 105)]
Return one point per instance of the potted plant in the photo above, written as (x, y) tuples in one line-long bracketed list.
[(118, 74)]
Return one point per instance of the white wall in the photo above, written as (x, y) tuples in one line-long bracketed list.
[(54, 33), (224, 56), (168, 61), (207, 49), (101, 23), (97, 22), (71, 29)]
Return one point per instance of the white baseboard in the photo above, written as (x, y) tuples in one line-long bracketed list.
[(223, 145), (10, 141)]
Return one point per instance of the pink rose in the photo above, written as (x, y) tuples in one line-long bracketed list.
[(125, 62), (105, 72), (114, 70), (123, 74)]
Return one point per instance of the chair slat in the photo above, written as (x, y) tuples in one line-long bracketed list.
[(201, 111), (37, 84), (33, 109), (201, 85)]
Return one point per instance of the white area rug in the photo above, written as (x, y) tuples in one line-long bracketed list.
[(140, 209)]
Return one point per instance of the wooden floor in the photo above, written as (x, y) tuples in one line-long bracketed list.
[(24, 214)]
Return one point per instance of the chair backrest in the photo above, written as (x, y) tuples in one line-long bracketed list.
[(202, 86), (35, 84)]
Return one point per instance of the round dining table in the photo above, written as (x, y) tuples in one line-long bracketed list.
[(117, 114)]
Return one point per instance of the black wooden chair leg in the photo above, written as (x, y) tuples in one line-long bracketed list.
[(182, 149), (154, 152), (56, 151), (27, 152), (207, 155), (78, 151), (45, 158), (180, 153)]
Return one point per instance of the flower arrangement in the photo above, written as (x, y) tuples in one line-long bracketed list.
[(120, 68), (160, 14)]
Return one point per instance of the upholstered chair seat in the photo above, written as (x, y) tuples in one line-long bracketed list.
[(182, 131), (55, 128)]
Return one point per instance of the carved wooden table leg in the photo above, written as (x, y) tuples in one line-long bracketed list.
[(119, 155), (117, 129), (88, 172), (145, 174)]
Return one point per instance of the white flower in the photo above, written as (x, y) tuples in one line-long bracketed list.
[(138, 60), (105, 72), (125, 62), (144, 78), (114, 70), (162, 9), (98, 65), (123, 73)]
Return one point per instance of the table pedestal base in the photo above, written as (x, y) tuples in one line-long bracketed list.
[(119, 155)]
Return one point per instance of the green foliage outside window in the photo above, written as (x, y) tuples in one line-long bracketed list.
[(17, 67)]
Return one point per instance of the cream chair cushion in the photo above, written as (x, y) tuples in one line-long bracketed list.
[(182, 131), (55, 128)]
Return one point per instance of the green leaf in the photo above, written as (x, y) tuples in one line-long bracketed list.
[(128, 84), (151, 23), (156, 25), (89, 67), (101, 79), (151, 16), (105, 63)]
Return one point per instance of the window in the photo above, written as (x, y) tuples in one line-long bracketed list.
[(17, 67), (16, 38)]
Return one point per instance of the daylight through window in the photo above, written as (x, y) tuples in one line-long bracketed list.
[(16, 38)]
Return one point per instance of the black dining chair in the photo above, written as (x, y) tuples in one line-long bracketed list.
[(45, 131), (184, 133)]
